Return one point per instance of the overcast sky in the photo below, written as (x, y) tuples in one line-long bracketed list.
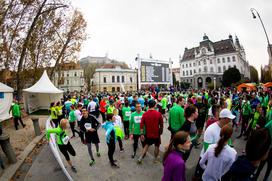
[(124, 28)]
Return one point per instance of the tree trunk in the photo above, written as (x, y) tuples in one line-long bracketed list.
[(23, 53)]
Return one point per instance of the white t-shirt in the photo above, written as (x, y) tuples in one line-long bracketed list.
[(217, 166), (78, 115), (211, 135), (122, 99), (91, 106), (118, 121)]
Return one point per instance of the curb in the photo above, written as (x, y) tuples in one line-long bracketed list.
[(11, 170)]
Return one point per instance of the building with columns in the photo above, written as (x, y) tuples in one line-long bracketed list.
[(207, 62), (114, 78)]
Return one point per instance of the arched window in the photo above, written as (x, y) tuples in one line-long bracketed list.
[(211, 69), (204, 62), (233, 59), (228, 59), (223, 60), (205, 69), (210, 61), (218, 60), (224, 68), (199, 70)]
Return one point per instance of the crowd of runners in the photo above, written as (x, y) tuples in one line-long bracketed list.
[(194, 118)]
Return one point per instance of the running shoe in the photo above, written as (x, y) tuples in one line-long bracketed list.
[(74, 169), (113, 165), (92, 162), (139, 161)]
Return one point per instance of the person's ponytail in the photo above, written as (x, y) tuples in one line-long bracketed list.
[(225, 135)]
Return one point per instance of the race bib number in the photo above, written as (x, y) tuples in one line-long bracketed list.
[(88, 126), (128, 113), (65, 140), (137, 119)]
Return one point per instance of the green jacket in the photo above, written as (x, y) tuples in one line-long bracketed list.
[(53, 113), (59, 134), (16, 110), (164, 103), (176, 118), (246, 108), (126, 112), (134, 123)]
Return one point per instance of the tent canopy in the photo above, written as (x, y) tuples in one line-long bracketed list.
[(247, 86), (268, 84), (5, 88), (44, 85)]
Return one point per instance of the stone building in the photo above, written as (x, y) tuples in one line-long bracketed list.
[(70, 77), (207, 62), (114, 78)]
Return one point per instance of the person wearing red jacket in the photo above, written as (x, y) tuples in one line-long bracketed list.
[(152, 121)]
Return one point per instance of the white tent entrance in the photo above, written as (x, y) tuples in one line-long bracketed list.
[(6, 97), (41, 94)]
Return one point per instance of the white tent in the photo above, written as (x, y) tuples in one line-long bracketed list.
[(6, 96), (41, 94)]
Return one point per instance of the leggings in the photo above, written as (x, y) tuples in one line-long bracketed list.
[(65, 149), (126, 127), (89, 145), (72, 125), (245, 120), (120, 143), (269, 166), (135, 144), (111, 149), (103, 116), (16, 124)]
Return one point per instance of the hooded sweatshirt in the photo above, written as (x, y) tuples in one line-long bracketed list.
[(110, 131)]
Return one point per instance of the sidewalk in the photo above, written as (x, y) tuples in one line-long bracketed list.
[(20, 138)]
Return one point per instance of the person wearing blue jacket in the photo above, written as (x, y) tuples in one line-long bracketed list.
[(110, 138)]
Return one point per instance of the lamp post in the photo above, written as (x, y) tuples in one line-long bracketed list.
[(253, 11), (214, 83)]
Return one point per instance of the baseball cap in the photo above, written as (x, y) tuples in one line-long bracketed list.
[(225, 113)]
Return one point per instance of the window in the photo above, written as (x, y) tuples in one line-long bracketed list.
[(118, 78), (199, 70), (81, 74), (219, 69), (105, 89), (123, 78), (204, 62), (112, 79), (223, 60), (229, 66), (228, 59), (218, 60), (67, 82), (194, 64), (199, 63), (194, 71), (191, 72), (233, 59), (190, 65), (186, 72), (67, 74), (205, 69), (191, 80), (183, 73), (224, 68), (210, 61), (234, 66), (186, 65), (211, 69), (131, 79), (105, 79), (183, 66), (62, 74), (75, 74), (113, 89)]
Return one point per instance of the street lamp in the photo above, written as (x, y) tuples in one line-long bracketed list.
[(253, 11), (214, 83)]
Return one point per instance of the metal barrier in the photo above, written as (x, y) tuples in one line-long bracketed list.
[(54, 148)]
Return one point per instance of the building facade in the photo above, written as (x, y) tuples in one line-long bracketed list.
[(176, 72), (206, 63), (114, 78), (70, 77)]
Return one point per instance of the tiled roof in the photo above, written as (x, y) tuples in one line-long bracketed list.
[(219, 47)]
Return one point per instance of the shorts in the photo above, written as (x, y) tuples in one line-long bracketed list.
[(151, 141)]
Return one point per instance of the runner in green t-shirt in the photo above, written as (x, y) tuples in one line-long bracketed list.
[(126, 113), (72, 121), (16, 114), (134, 127)]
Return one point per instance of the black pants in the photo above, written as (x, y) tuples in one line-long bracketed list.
[(65, 149), (245, 119), (126, 128), (16, 124), (72, 125), (120, 143), (111, 149), (199, 171), (269, 167), (103, 116), (135, 144)]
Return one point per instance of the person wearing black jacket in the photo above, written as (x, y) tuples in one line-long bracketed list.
[(189, 126), (89, 125)]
